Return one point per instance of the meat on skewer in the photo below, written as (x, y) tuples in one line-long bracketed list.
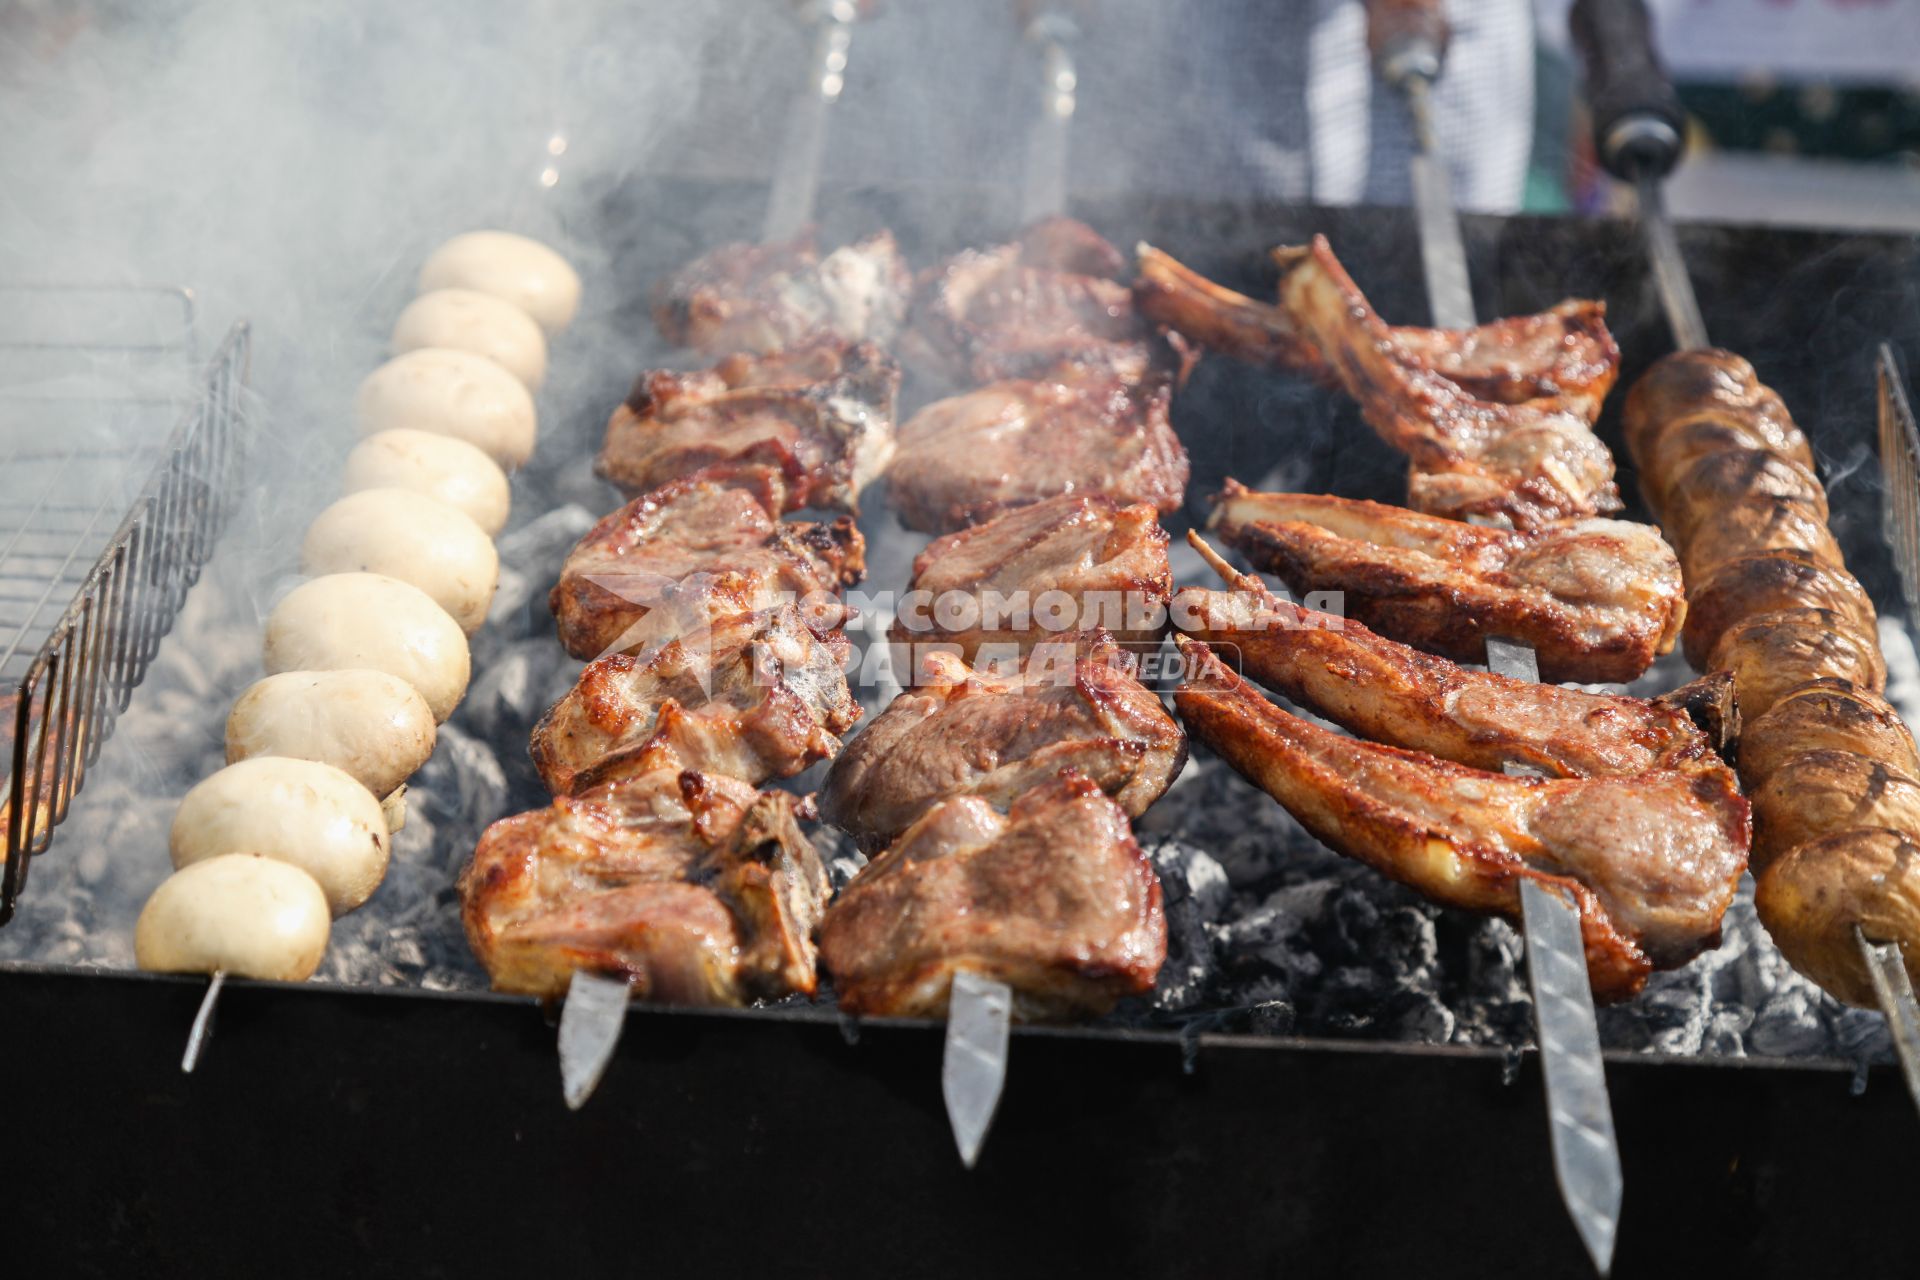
[(691, 886), (1093, 424), (1388, 692), (1597, 599), (1530, 463), (1016, 310), (962, 732), (701, 548), (771, 297), (1833, 773), (822, 414), (1652, 860), (1564, 353), (754, 696), (1030, 575), (1055, 899)]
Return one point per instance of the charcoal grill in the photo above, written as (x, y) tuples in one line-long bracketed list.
[(411, 1132), (115, 515)]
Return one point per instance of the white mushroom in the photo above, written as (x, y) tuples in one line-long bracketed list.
[(302, 812), (352, 620), (411, 537), (372, 725), (512, 267), (467, 320), (450, 470), (451, 393), (239, 913)]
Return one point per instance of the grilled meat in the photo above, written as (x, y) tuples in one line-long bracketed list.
[(1815, 895), (1530, 463), (1564, 354), (1093, 425), (961, 732), (1652, 860), (704, 547), (1075, 561), (822, 414), (768, 297), (1017, 310), (690, 886), (1826, 715), (1390, 693), (1055, 899), (1770, 582), (1770, 654), (1598, 599), (754, 696)]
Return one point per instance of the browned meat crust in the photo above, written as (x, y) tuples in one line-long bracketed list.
[(701, 548), (1823, 715), (1388, 692), (1530, 463), (1652, 860), (1095, 425), (754, 696), (1597, 599), (821, 414), (958, 732), (993, 584), (1770, 582), (1017, 310), (768, 297), (1770, 653), (1564, 353), (690, 886), (1055, 899)]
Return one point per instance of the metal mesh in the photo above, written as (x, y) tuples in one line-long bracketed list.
[(117, 470)]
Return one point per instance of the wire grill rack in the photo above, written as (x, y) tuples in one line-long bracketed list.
[(1900, 469), (117, 471)]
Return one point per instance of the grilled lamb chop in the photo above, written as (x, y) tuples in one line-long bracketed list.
[(767, 297), (692, 887), (961, 732), (1530, 463), (704, 547), (1015, 311), (821, 413), (995, 583), (1055, 899), (1652, 860), (1388, 692), (1092, 425), (754, 696), (1598, 599), (1564, 353)]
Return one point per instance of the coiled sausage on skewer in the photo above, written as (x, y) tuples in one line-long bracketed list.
[(1832, 771)]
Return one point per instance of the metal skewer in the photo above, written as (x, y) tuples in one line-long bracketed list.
[(1409, 45), (796, 175), (973, 1070), (1900, 525), (1639, 133), (202, 1028), (1044, 192), (591, 1020)]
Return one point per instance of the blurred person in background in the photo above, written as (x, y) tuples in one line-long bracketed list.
[(1266, 99)]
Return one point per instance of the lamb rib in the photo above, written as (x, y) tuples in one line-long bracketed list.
[(1388, 692), (1598, 599), (1652, 861)]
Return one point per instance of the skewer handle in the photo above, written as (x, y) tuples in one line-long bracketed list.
[(1408, 39), (1638, 125)]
